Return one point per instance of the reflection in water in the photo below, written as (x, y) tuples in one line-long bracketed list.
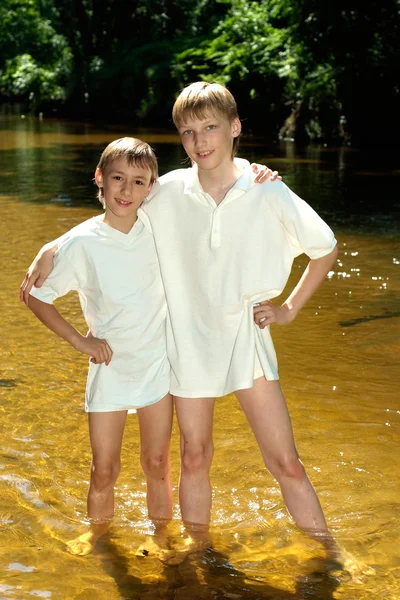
[(341, 383), (8, 383), (369, 318), (209, 574)]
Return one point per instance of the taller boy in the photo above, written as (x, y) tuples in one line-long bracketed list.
[(226, 247)]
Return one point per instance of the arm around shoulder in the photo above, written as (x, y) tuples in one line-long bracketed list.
[(39, 270), (42, 265)]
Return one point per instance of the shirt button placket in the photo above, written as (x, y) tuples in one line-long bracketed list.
[(215, 230)]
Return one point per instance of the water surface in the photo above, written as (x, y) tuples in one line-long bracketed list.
[(338, 365)]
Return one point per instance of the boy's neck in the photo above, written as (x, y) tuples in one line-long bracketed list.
[(217, 182), (124, 225)]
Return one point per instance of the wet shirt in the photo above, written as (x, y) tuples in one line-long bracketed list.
[(216, 262), (118, 280)]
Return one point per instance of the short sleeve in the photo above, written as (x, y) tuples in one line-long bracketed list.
[(61, 280), (145, 220), (306, 231), (73, 232)]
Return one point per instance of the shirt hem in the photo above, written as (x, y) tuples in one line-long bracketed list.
[(218, 394), (131, 406)]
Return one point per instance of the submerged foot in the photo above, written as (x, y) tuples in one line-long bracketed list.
[(339, 560), (155, 549), (188, 547), (357, 569), (86, 543), (83, 545), (343, 566)]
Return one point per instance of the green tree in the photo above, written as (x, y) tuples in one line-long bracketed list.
[(35, 60), (359, 43), (318, 70), (249, 55), (305, 68), (122, 51)]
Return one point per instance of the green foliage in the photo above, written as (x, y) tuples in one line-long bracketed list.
[(305, 68), (35, 60), (316, 69), (254, 52), (243, 43), (24, 77), (246, 53)]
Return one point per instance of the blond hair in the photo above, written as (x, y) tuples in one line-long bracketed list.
[(134, 151), (199, 100)]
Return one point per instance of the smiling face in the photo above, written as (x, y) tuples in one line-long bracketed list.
[(124, 186), (208, 141)]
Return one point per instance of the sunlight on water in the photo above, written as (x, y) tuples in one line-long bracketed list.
[(339, 369)]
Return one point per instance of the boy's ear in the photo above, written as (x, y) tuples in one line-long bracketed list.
[(98, 177), (150, 188), (236, 127)]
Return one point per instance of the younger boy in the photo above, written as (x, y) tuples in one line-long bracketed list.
[(111, 262)]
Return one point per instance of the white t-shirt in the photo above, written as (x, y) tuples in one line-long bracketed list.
[(216, 263), (118, 280)]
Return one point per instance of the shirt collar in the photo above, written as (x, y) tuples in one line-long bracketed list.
[(246, 180), (192, 183)]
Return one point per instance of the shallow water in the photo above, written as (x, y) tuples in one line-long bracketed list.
[(338, 365)]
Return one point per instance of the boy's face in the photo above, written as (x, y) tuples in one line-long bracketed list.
[(124, 188), (208, 142)]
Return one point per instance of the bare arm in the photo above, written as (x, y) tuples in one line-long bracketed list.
[(314, 275), (39, 270), (262, 172), (49, 315)]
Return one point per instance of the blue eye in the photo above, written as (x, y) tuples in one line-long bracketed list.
[(210, 127), (187, 132)]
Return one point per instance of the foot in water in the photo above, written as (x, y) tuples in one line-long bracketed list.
[(357, 569), (174, 555), (86, 543), (83, 545), (156, 548), (339, 560), (189, 546)]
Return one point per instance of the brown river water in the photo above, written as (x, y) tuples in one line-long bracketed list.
[(339, 369)]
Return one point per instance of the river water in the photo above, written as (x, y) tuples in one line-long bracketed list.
[(339, 370)]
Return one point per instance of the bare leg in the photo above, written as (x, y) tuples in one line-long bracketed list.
[(195, 418), (155, 423), (105, 431), (265, 408)]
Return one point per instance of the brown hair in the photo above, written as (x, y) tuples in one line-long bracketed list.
[(199, 99), (134, 151)]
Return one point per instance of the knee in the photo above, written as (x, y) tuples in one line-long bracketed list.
[(104, 474), (196, 457), (289, 466), (155, 466)]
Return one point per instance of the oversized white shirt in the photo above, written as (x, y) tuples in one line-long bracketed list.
[(216, 262), (117, 277)]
